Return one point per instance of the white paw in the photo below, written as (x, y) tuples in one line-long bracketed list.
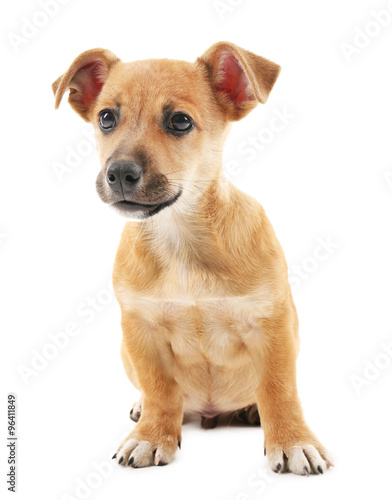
[(303, 460), (135, 453)]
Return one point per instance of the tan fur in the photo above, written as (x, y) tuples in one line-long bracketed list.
[(208, 319)]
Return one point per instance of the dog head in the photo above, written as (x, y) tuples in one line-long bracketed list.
[(161, 124)]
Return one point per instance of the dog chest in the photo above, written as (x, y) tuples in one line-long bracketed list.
[(198, 330)]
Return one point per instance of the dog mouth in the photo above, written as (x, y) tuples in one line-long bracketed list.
[(131, 207)]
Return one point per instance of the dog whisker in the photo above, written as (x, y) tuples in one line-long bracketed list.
[(114, 90), (176, 171), (138, 235), (189, 190), (186, 201), (107, 93), (200, 180)]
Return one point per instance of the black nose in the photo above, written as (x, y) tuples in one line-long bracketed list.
[(123, 177)]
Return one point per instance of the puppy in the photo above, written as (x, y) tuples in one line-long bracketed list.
[(209, 324)]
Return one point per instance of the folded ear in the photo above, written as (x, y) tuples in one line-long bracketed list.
[(239, 78), (84, 78)]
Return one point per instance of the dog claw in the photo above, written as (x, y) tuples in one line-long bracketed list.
[(121, 460), (278, 468), (329, 464), (306, 471), (131, 460), (265, 452), (114, 456), (179, 444), (320, 469)]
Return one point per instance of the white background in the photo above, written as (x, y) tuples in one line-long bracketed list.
[(325, 175)]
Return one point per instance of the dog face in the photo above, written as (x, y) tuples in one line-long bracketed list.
[(160, 135), (161, 124)]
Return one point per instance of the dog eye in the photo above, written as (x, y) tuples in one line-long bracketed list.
[(180, 122), (107, 120)]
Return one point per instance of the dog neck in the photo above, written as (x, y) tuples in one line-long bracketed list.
[(213, 232), (207, 240), (191, 231)]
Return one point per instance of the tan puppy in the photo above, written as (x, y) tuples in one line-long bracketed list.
[(208, 319)]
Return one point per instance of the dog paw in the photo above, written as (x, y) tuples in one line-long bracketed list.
[(303, 460), (136, 411), (139, 453), (249, 415)]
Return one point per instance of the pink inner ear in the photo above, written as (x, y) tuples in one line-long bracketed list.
[(232, 80), (90, 79)]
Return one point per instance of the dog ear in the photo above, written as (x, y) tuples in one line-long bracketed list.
[(239, 78), (84, 78)]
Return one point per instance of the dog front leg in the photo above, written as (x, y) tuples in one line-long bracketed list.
[(289, 443), (157, 435)]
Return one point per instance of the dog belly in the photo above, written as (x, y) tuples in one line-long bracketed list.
[(211, 362), (208, 345), (211, 390)]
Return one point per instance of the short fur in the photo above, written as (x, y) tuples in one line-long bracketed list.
[(208, 319)]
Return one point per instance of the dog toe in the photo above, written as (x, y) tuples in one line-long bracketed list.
[(138, 453), (303, 460), (277, 460)]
